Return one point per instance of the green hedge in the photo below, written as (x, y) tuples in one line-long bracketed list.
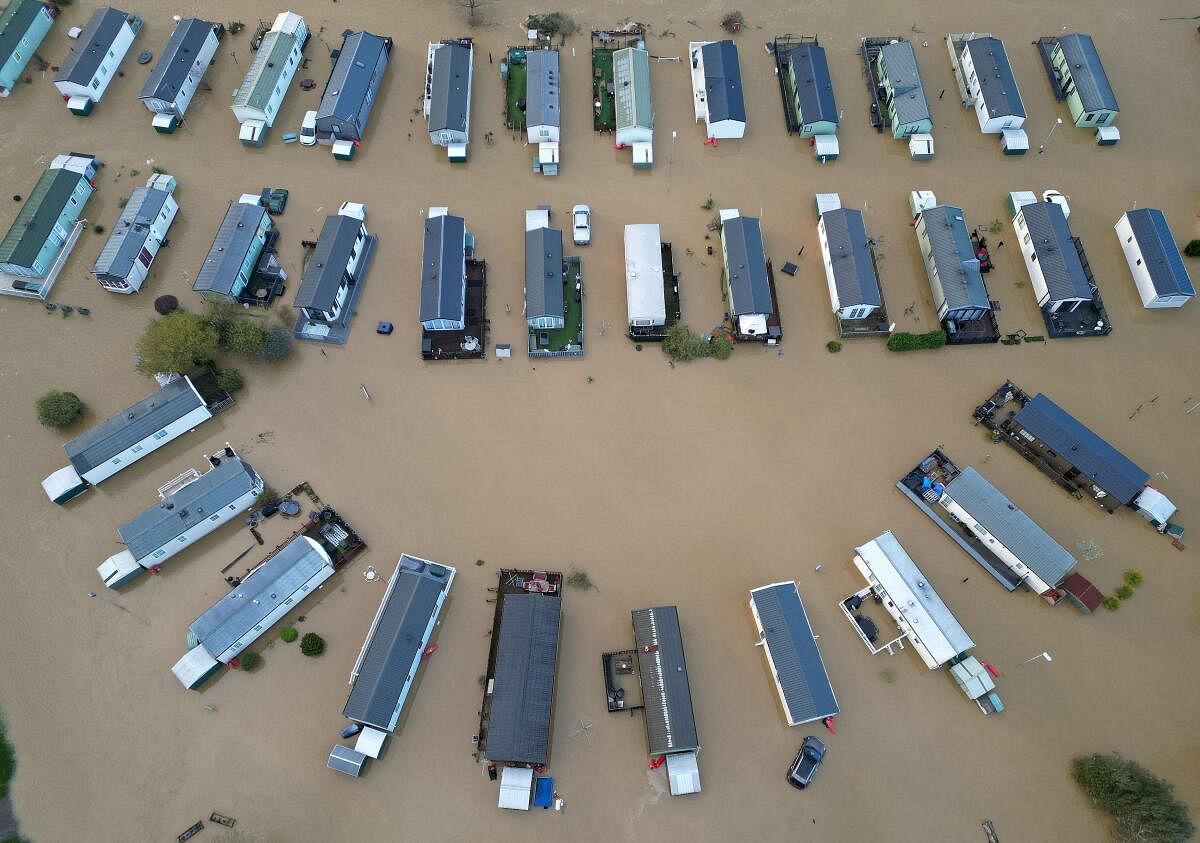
[(8, 760), (904, 341), (1142, 805)]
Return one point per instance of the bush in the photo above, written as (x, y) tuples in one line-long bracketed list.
[(8, 760), (552, 23), (1192, 249), (312, 644), (1124, 592), (904, 341), (58, 409), (267, 495), (230, 380), (1133, 578), (235, 26), (245, 336), (175, 343), (681, 344), (277, 344), (99, 229), (1143, 805), (1112, 604), (249, 660), (289, 634), (720, 347), (165, 304), (833, 346)]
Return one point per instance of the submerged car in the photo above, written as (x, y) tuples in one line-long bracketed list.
[(581, 224), (308, 129), (807, 762)]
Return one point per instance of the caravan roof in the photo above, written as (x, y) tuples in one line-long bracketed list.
[(645, 297)]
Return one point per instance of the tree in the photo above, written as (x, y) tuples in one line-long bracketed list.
[(249, 660), (58, 409), (245, 336), (175, 343), (312, 644), (277, 344), (288, 634), (1143, 806), (1192, 249), (230, 380)]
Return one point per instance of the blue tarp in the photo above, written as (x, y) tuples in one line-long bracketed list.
[(543, 793)]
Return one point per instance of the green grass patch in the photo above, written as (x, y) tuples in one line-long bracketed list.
[(560, 338), (606, 119), (514, 92)]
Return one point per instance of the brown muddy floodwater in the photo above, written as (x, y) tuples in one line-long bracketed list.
[(686, 485)]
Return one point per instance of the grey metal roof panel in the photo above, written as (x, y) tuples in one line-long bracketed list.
[(631, 74), (443, 268), (798, 665), (1160, 255), (264, 589), (395, 644), (268, 67), (900, 63), (523, 687), (850, 255), (38, 216), (952, 254), (343, 759), (450, 102), (130, 426), (1010, 526), (229, 248), (1083, 61), (814, 86), (723, 82), (325, 269), (176, 514), (92, 46), (542, 82), (543, 273), (15, 21), (349, 93), (670, 721), (747, 266), (995, 76), (1050, 237), (177, 58), (130, 233), (1070, 439)]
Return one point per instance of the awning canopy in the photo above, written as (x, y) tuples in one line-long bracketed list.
[(370, 742), (683, 772)]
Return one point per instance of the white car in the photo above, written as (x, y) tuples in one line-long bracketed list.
[(581, 224), (1058, 199), (308, 129)]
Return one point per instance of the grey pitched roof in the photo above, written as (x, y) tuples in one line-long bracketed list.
[(543, 273), (130, 233), (793, 650), (1050, 237), (325, 269), (995, 75), (266, 588), (900, 63), (542, 80), (747, 266), (1160, 255), (234, 238), (451, 96), (523, 688), (15, 21), (92, 46), (814, 86), (268, 67), (191, 505), (348, 93), (957, 267), (346, 760), (850, 255), (723, 82), (1070, 439), (393, 648), (130, 426), (176, 60), (443, 272), (670, 722), (38, 216), (1095, 93), (1010, 526)]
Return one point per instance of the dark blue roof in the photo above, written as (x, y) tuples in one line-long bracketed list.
[(350, 92), (670, 722), (523, 685), (1160, 255), (177, 59), (814, 87), (1087, 72), (793, 651), (995, 75), (543, 273), (747, 266), (723, 82), (1057, 256), (92, 46), (1062, 433), (850, 256), (443, 273)]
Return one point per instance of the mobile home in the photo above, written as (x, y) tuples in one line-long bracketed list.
[(746, 279), (543, 116), (257, 100), (23, 26), (849, 265), (234, 252), (1081, 77), (545, 301), (181, 67), (352, 87), (812, 102), (1154, 260), (447, 98), (717, 96), (951, 265), (95, 58), (794, 660), (125, 260), (1055, 269), (905, 106), (634, 104), (991, 85), (333, 276)]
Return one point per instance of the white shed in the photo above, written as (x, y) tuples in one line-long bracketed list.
[(645, 295), (1158, 271)]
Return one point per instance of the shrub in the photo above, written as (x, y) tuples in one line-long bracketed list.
[(312, 644), (289, 634), (8, 760), (1124, 592), (230, 380), (165, 304), (1142, 805), (1133, 578), (58, 409), (552, 23), (99, 229), (681, 344), (578, 578), (245, 336), (720, 346), (707, 204), (267, 495), (175, 343), (833, 346), (904, 341), (277, 344), (1112, 604), (1192, 249), (249, 660), (235, 26)]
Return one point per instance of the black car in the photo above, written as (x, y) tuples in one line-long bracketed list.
[(808, 759)]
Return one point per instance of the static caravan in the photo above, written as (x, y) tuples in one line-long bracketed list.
[(849, 266), (634, 104), (118, 442), (95, 59), (184, 60), (545, 300), (125, 260), (257, 101), (1154, 260), (745, 280), (813, 103), (1083, 81), (645, 294), (543, 115), (1055, 269), (447, 98), (793, 658), (23, 26), (991, 86), (905, 105), (352, 88), (951, 265), (233, 256), (717, 89), (190, 507), (444, 272), (333, 272)]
